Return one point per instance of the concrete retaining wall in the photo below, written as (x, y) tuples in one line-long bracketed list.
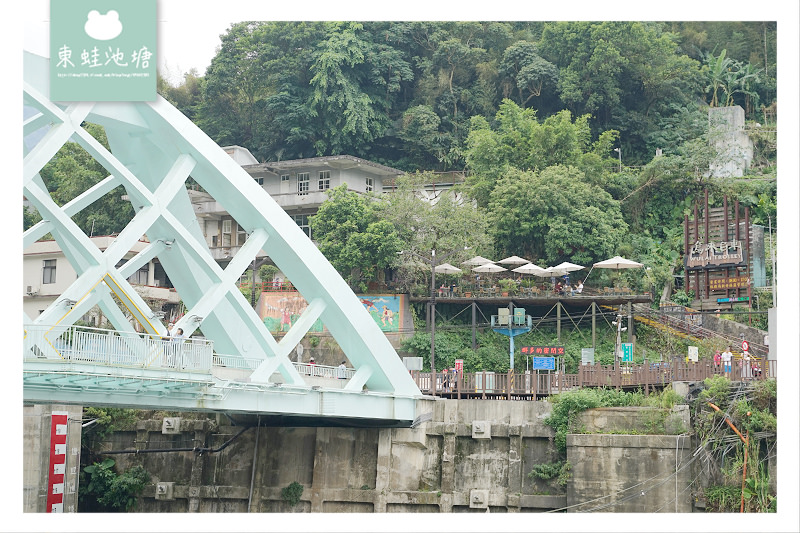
[(630, 473), (466, 456)]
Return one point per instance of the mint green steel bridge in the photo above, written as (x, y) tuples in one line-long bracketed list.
[(239, 367)]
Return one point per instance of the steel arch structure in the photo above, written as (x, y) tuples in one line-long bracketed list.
[(154, 148)]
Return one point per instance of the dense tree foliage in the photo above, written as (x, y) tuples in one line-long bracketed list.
[(353, 238), (71, 172), (404, 93), (554, 216)]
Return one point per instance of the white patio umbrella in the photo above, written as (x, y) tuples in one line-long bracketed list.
[(617, 263), (477, 261), (446, 268), (530, 268), (568, 267), (489, 267), (553, 272), (513, 260)]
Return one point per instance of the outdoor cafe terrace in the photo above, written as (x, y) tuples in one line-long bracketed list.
[(517, 278)]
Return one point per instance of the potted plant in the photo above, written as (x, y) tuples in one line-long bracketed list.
[(507, 286)]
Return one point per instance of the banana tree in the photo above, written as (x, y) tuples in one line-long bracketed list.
[(718, 68)]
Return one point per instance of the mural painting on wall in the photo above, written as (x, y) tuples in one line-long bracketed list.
[(279, 310), (385, 309)]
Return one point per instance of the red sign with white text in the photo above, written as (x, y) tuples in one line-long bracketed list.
[(58, 462), (542, 350)]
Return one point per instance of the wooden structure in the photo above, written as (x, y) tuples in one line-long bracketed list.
[(718, 255), (649, 376)]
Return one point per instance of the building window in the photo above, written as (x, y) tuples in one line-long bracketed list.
[(226, 232), (324, 179), (302, 221), (49, 271), (241, 235), (260, 181), (368, 184), (302, 182), (285, 177), (140, 276)]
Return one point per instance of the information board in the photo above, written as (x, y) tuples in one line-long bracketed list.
[(694, 353), (587, 356), (544, 363), (627, 352)]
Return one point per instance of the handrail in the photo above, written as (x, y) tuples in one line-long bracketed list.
[(116, 348), (511, 385)]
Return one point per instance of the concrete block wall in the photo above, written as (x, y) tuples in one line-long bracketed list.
[(443, 465), (630, 473)]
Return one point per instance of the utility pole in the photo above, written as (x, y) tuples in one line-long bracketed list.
[(772, 255), (432, 305)]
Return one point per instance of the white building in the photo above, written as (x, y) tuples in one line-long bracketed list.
[(299, 186), (46, 273)]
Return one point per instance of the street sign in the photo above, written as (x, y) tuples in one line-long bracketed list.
[(745, 346), (737, 299), (459, 365), (627, 352), (544, 363)]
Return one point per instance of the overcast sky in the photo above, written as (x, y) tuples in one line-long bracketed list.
[(189, 30)]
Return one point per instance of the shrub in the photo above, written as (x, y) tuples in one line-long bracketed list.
[(291, 493)]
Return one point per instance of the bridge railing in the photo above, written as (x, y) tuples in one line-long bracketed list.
[(323, 371), (652, 374), (116, 348)]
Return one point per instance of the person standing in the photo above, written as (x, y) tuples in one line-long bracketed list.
[(342, 371), (717, 360), (726, 357), (746, 374), (177, 347)]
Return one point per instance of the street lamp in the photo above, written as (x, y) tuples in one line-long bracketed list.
[(432, 303), (619, 152)]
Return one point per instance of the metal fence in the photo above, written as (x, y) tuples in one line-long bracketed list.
[(116, 348), (324, 371)]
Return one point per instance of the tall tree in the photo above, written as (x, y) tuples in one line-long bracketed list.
[(350, 235), (517, 139), (555, 215), (526, 71), (445, 221), (628, 75)]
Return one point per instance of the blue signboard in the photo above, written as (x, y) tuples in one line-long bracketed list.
[(627, 352), (544, 363)]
